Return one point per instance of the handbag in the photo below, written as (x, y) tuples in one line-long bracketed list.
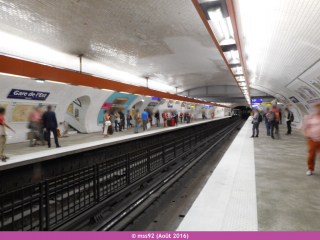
[(108, 123), (58, 133), (138, 120)]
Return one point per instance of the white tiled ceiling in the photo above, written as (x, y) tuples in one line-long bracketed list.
[(281, 39), (164, 40)]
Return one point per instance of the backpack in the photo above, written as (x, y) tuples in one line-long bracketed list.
[(271, 116), (291, 117), (260, 118)]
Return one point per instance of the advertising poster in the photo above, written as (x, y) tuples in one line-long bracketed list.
[(116, 101), (282, 99), (303, 90), (312, 76), (20, 112)]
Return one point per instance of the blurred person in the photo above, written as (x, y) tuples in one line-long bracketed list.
[(106, 123), (203, 115), (137, 120), (3, 134), (181, 116), (122, 120), (191, 116), (267, 121), (255, 122), (188, 117), (311, 129), (145, 115), (289, 119), (157, 116), (150, 118), (117, 120), (165, 119), (35, 125), (274, 118), (176, 118), (129, 117), (51, 125)]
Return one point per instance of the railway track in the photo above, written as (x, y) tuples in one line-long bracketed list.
[(83, 199)]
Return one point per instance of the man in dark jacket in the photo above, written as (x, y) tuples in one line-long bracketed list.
[(51, 125), (122, 120)]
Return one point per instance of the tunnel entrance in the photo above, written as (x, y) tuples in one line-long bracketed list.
[(242, 111)]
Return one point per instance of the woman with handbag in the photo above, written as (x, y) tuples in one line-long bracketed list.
[(106, 123), (137, 118)]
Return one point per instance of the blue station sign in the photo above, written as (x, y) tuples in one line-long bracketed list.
[(256, 100), (28, 95)]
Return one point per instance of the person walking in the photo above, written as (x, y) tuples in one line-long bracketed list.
[(157, 116), (311, 129), (255, 123), (137, 119), (3, 134), (289, 119), (35, 126), (267, 121), (106, 123), (128, 119), (274, 118), (144, 119), (51, 125)]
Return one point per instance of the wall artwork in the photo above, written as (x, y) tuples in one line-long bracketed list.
[(116, 101)]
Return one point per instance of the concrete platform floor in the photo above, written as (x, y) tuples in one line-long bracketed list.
[(17, 149), (287, 199)]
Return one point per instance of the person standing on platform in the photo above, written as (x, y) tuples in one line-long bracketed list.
[(3, 134), (145, 119), (176, 118), (122, 120), (181, 116), (106, 123), (157, 116), (117, 120), (274, 118), (280, 116), (165, 118), (137, 120), (51, 125), (289, 118), (267, 121), (255, 123), (128, 119), (311, 129), (36, 126)]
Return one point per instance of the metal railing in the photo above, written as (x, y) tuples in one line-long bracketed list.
[(50, 203)]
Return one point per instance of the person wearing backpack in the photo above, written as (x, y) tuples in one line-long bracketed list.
[(289, 120), (274, 118), (255, 122)]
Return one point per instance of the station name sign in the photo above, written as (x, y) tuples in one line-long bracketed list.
[(28, 95)]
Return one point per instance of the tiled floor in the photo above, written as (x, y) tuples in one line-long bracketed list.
[(288, 199)]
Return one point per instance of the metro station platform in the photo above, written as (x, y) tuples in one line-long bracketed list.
[(259, 185), (21, 154)]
